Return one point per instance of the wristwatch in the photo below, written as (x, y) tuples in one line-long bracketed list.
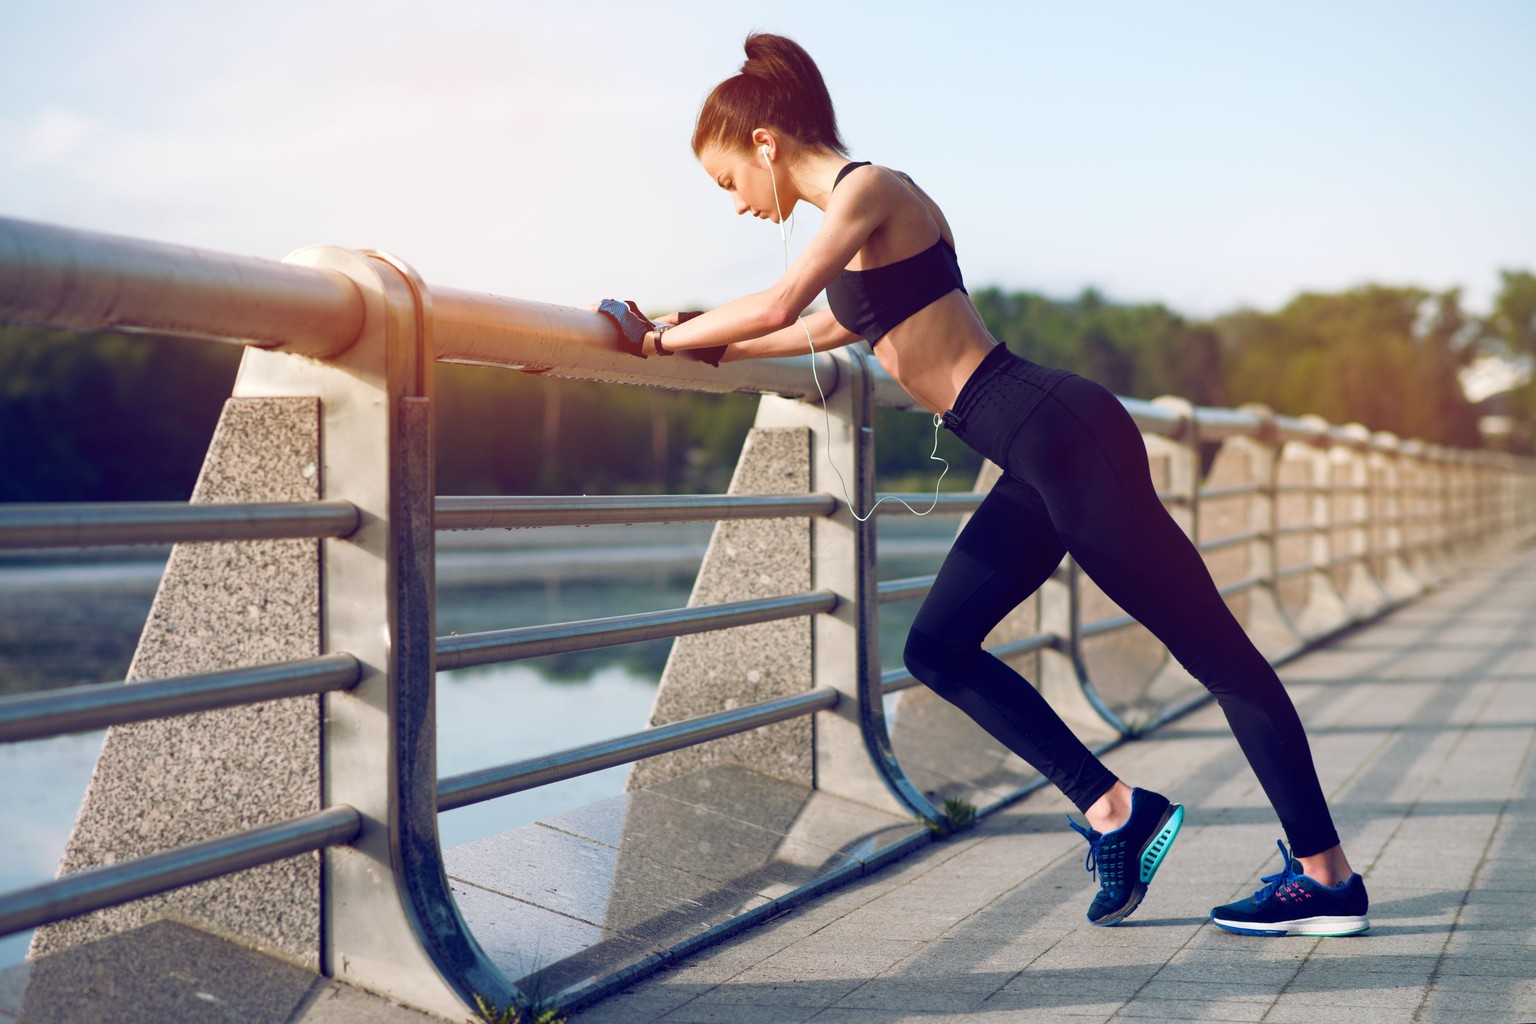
[(656, 342)]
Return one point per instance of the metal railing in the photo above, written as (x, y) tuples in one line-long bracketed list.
[(1325, 526)]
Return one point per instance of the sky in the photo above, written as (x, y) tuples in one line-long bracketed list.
[(1207, 155)]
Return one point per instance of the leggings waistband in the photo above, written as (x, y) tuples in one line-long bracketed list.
[(1004, 388)]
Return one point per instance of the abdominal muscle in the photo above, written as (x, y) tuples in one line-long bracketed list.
[(933, 352)]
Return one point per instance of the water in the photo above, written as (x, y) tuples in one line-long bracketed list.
[(77, 620)]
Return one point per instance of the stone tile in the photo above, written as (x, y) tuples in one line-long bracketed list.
[(702, 842), (1516, 1000), (907, 924), (767, 802), (922, 996), (624, 894), (1095, 1003), (962, 964), (819, 957), (1380, 991), (1514, 944), (163, 972), (335, 1003), (1264, 977), (1088, 984), (990, 927), (776, 991), (1309, 1013), (1231, 990), (625, 1008), (1194, 1009), (809, 816), (557, 951), (13, 986), (740, 1013), (1010, 1015)]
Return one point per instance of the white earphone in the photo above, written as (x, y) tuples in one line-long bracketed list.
[(811, 343)]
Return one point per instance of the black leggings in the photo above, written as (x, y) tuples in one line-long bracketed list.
[(1076, 481)]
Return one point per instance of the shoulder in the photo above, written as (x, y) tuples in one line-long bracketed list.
[(869, 185)]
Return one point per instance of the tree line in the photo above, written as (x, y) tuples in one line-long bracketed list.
[(111, 417)]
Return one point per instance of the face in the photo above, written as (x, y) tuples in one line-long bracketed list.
[(745, 175)]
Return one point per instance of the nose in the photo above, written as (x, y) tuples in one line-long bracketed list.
[(741, 206)]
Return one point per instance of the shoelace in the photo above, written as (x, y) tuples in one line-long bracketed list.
[(1095, 840), (1277, 882)]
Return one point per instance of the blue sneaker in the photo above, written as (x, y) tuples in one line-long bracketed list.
[(1126, 859), (1293, 904)]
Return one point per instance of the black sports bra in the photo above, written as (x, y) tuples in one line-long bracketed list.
[(871, 302)]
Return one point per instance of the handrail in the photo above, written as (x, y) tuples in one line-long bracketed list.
[(563, 341), (488, 783), (898, 679), (1380, 519), (114, 884), (497, 512), (467, 649), (98, 705), (63, 277), (167, 522), (946, 503)]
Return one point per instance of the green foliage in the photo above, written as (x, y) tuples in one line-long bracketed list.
[(1140, 351), (502, 432), (1385, 357), (959, 815), (1513, 328), (1514, 312), (531, 1013), (112, 417), (103, 417)]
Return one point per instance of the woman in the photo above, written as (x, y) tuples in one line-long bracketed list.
[(1075, 481)]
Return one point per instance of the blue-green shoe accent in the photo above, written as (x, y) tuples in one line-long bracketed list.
[(1152, 856), (1125, 860)]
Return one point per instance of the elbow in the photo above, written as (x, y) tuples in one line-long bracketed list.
[(778, 316), (778, 312)]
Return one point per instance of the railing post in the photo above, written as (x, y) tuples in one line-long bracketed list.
[(795, 446), (389, 923), (376, 913), (1180, 453), (1390, 509), (1324, 610), (1266, 622), (853, 754), (1351, 482)]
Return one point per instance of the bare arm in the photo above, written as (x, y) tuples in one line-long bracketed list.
[(825, 334), (854, 212)]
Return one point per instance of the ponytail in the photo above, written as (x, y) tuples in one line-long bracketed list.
[(779, 87)]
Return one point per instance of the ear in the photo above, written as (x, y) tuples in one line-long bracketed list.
[(763, 139)]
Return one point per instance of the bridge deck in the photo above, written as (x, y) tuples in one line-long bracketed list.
[(1423, 725)]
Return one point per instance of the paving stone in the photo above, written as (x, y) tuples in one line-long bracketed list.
[(1194, 1009), (630, 1008), (1310, 1013), (1409, 728)]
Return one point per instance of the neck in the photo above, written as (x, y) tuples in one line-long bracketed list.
[(813, 173)]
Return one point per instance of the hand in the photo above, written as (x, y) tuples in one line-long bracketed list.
[(633, 324), (710, 355)]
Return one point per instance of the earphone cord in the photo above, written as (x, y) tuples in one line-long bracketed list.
[(933, 456)]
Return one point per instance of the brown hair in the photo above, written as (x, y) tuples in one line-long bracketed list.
[(779, 87)]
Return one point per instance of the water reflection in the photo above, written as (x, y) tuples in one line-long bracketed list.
[(76, 619)]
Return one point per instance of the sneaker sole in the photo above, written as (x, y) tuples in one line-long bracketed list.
[(1151, 859), (1324, 926), (1157, 848)]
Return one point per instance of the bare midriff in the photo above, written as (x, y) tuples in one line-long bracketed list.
[(933, 352)]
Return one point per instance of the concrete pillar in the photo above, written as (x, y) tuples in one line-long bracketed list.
[(1363, 594)]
